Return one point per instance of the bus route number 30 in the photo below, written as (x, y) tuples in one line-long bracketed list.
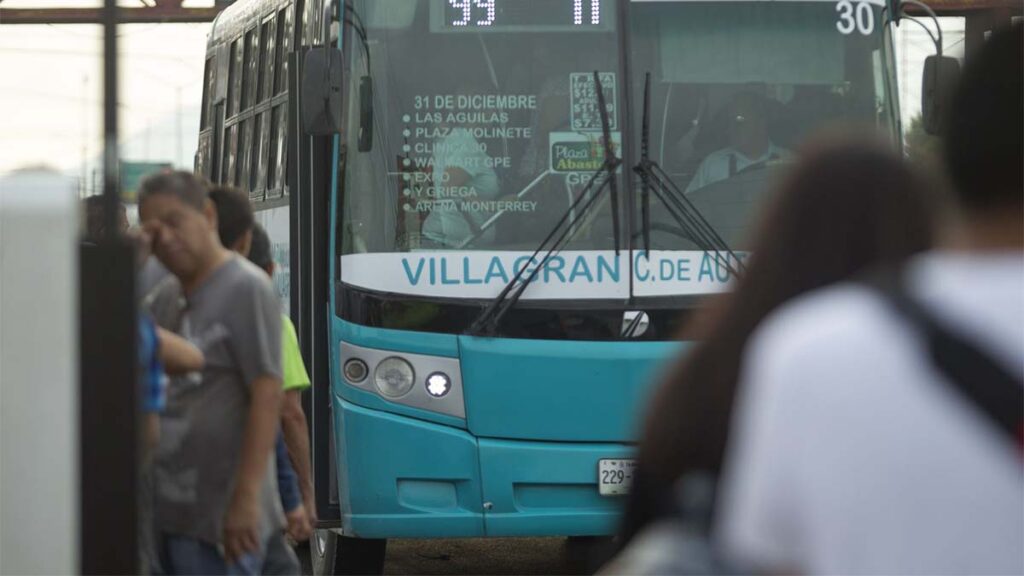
[(855, 16), (615, 477)]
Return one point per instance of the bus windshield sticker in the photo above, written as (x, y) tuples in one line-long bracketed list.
[(452, 145), (585, 114), (575, 152)]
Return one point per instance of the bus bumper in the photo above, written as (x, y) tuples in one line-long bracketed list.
[(400, 477)]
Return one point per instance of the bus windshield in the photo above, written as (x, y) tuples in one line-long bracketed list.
[(486, 129), (735, 87), (485, 123)]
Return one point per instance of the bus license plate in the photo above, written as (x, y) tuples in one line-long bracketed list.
[(615, 477)]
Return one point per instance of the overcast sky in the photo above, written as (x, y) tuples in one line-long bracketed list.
[(50, 87)]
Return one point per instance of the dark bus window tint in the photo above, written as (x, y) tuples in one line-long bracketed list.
[(317, 33), (264, 151), (244, 145), (232, 80), (207, 105), (304, 23), (274, 167), (266, 59), (279, 56), (248, 67), (309, 20), (230, 148), (202, 163), (284, 48), (238, 52), (254, 158), (282, 150)]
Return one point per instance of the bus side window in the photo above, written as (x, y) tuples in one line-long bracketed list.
[(242, 159), (249, 63), (277, 139), (234, 79), (311, 22), (282, 46), (266, 64), (260, 147), (206, 109), (203, 164), (227, 165)]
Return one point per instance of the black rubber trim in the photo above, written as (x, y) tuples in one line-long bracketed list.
[(594, 320)]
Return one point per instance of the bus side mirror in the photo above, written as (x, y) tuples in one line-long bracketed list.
[(321, 91), (941, 74)]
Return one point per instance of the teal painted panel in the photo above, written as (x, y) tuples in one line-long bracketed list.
[(558, 390), (375, 402), (538, 488), (446, 345), (377, 453)]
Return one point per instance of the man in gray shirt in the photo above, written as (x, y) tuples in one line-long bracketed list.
[(216, 493)]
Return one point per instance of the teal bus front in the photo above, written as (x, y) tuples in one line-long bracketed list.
[(471, 130)]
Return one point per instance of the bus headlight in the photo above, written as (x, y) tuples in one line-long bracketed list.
[(356, 370), (394, 377)]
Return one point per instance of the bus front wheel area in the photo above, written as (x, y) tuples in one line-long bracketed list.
[(334, 554)]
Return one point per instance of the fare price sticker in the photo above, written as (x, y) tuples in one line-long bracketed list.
[(585, 109)]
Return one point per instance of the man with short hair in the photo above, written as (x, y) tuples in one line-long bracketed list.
[(235, 218), (856, 449), (217, 503)]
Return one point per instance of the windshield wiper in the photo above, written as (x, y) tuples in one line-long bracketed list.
[(488, 320), (497, 215), (677, 204)]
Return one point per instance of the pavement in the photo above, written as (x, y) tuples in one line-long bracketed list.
[(497, 556)]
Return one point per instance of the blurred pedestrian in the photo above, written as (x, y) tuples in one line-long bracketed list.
[(95, 219), (235, 218), (879, 425), (161, 353), (159, 349), (217, 503), (302, 509), (296, 381), (847, 205), (236, 228)]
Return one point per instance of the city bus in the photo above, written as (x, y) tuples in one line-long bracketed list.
[(491, 217)]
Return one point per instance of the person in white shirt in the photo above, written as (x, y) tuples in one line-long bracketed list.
[(749, 143), (850, 451)]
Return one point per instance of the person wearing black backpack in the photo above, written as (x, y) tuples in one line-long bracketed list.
[(878, 425)]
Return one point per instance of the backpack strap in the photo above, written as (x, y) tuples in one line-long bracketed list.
[(987, 384)]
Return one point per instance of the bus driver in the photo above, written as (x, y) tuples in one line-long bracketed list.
[(749, 143)]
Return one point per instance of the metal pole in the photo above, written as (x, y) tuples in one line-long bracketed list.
[(178, 135), (84, 189), (110, 144), (108, 395)]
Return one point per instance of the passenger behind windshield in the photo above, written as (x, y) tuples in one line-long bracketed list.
[(748, 143), (461, 174)]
